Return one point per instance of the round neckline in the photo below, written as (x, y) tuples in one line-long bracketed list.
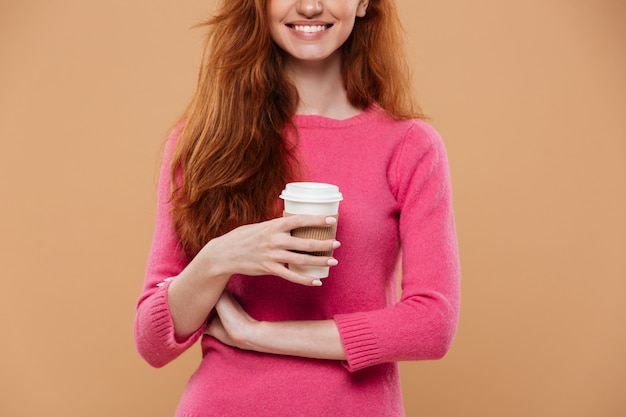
[(317, 120)]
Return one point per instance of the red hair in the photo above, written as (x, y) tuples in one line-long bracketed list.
[(231, 160)]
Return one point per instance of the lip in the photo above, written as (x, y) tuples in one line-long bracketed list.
[(308, 23)]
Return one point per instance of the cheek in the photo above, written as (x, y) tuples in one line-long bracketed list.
[(274, 19), (275, 29), (346, 30), (277, 37)]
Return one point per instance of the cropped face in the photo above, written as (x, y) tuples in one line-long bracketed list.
[(313, 30)]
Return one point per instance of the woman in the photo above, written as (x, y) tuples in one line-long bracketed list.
[(309, 90)]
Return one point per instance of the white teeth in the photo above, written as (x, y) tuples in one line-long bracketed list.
[(309, 29)]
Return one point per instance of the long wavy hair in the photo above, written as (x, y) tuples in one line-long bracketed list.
[(231, 159)]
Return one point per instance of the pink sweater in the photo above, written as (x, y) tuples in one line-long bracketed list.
[(396, 215)]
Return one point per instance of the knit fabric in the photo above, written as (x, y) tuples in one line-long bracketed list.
[(396, 216)]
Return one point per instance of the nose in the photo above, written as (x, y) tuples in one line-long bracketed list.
[(309, 8)]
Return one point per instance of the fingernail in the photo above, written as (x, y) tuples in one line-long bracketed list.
[(331, 220), (336, 244), (317, 283), (333, 262)]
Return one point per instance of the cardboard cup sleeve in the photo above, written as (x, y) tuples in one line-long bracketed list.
[(318, 233)]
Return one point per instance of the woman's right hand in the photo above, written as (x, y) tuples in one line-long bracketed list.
[(265, 248)]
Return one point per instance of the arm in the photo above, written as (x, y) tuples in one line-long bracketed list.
[(171, 317), (256, 249), (317, 339), (422, 324), (155, 337)]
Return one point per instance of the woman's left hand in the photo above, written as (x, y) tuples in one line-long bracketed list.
[(231, 325)]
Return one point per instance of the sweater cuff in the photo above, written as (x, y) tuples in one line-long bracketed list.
[(163, 325), (359, 341)]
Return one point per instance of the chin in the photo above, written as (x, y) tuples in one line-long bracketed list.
[(311, 57)]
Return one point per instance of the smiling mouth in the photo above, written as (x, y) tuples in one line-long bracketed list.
[(309, 28)]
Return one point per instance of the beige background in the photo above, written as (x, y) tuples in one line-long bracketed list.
[(529, 96)]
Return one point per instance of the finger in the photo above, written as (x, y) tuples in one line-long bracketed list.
[(300, 244), (289, 275), (212, 328), (307, 220), (164, 282), (224, 303), (307, 259)]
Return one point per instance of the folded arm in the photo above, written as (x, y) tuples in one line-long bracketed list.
[(317, 339)]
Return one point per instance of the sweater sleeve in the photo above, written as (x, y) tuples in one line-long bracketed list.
[(422, 324), (153, 329)]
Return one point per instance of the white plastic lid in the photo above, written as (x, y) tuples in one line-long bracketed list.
[(311, 192)]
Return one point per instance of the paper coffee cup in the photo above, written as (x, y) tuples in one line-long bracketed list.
[(312, 198)]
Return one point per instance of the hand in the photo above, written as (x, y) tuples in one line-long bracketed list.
[(265, 248), (231, 325), (255, 249)]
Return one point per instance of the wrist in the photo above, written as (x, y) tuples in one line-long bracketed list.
[(209, 265), (251, 338)]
